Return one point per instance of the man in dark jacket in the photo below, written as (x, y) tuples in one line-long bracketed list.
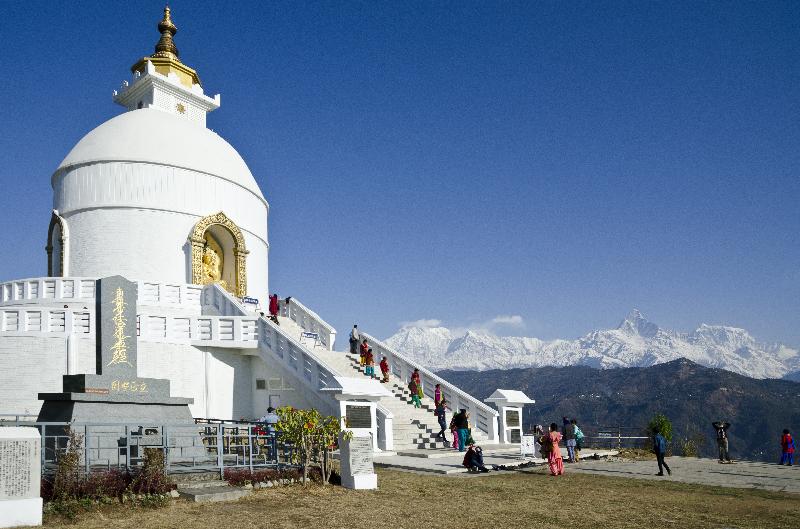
[(660, 448), (721, 428), (569, 438)]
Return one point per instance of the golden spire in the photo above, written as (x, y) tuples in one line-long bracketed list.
[(165, 59), (166, 47)]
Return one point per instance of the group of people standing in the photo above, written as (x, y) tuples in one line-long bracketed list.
[(549, 441), (366, 358)]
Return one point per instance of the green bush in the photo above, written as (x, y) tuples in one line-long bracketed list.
[(660, 423)]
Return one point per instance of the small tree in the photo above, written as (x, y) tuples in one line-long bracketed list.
[(68, 477), (660, 424), (313, 436)]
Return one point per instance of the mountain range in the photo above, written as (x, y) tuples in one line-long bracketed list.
[(636, 342)]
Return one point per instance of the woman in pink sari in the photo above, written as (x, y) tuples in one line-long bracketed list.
[(554, 458)]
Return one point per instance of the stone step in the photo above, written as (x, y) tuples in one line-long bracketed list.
[(209, 494), (201, 484)]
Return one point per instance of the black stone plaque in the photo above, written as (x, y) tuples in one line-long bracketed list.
[(358, 417), (516, 435), (512, 418)]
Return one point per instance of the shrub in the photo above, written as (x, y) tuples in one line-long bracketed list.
[(152, 477), (660, 423), (242, 476)]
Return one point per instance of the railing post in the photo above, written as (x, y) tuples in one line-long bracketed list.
[(86, 449), (219, 452), (250, 446), (166, 449)]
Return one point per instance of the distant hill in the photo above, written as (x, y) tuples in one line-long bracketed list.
[(635, 342), (692, 396)]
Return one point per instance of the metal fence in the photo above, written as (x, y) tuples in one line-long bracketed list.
[(206, 446), (616, 437)]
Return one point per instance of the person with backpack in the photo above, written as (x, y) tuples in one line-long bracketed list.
[(787, 448), (660, 449), (721, 428), (578, 440), (554, 458), (412, 387)]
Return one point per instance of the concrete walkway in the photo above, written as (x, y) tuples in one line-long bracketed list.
[(742, 474), (448, 461)]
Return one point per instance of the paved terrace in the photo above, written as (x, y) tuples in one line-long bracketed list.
[(740, 475)]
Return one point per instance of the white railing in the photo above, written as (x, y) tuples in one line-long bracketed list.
[(46, 322), (56, 290), (276, 346), (238, 332), (309, 321), (482, 416), (385, 420)]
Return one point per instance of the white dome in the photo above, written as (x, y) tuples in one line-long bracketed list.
[(154, 136)]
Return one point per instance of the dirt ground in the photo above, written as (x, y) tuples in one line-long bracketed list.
[(503, 500)]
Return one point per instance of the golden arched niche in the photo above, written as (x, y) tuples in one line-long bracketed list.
[(219, 254)]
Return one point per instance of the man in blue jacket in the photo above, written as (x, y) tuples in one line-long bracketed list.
[(660, 448)]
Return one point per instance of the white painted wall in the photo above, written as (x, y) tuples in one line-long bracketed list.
[(134, 219)]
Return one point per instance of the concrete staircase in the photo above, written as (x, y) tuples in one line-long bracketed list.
[(414, 428)]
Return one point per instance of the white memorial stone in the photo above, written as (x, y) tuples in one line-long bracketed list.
[(355, 457), (20, 477)]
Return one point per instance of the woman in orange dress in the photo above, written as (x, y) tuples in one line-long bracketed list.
[(554, 454)]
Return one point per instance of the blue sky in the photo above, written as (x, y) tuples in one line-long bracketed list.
[(561, 162)]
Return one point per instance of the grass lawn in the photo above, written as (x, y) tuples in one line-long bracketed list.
[(508, 500)]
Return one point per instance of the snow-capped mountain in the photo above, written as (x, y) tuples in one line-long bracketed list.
[(636, 342)]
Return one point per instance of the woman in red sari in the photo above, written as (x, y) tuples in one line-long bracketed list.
[(554, 458)]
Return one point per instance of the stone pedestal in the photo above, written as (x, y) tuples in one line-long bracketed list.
[(114, 401), (20, 477), (355, 458)]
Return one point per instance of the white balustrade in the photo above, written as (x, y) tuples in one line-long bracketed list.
[(309, 321), (47, 322), (58, 290), (482, 416)]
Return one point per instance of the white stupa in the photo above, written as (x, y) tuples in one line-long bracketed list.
[(155, 196), (149, 192)]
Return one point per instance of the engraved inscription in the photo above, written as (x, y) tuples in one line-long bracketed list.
[(361, 456), (16, 468), (119, 350)]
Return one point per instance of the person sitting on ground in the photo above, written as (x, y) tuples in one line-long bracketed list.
[(412, 387), (362, 353), (554, 459), (370, 369), (787, 448), (385, 370), (473, 459), (660, 449), (721, 427)]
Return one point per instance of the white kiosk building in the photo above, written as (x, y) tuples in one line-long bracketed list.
[(155, 196)]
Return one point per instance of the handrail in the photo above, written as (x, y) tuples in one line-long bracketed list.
[(308, 320), (483, 415), (294, 356)]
